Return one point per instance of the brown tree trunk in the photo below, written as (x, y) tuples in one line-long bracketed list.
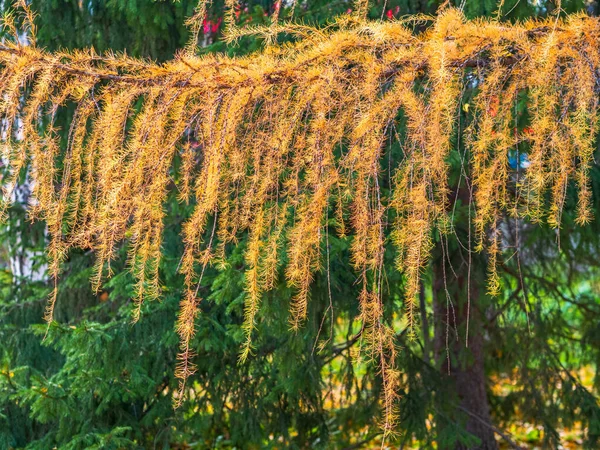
[(462, 366)]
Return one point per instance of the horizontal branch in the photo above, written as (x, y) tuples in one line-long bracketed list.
[(474, 61)]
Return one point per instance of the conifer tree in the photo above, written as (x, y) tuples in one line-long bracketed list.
[(243, 220)]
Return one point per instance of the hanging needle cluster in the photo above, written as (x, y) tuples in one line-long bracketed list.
[(287, 144)]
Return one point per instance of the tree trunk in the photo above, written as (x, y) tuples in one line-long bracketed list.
[(462, 367)]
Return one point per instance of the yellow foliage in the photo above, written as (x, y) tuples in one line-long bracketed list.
[(274, 142)]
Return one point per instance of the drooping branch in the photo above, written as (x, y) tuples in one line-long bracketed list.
[(275, 143)]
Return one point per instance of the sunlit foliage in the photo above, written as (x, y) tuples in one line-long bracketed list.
[(286, 144)]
